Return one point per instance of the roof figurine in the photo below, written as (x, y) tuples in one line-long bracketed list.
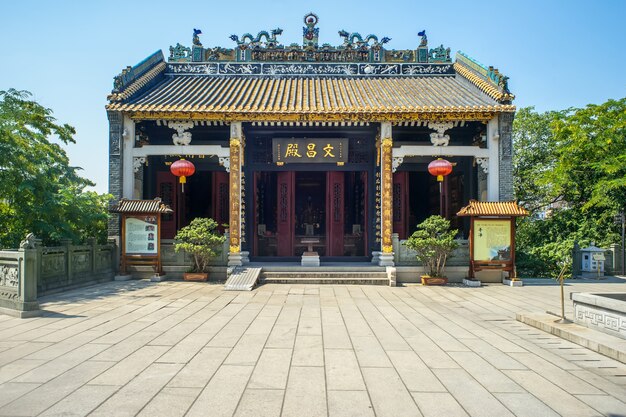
[(196, 38), (310, 33), (424, 39)]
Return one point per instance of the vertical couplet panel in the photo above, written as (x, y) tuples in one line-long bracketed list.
[(335, 203), (285, 222), (168, 192), (220, 198), (400, 204)]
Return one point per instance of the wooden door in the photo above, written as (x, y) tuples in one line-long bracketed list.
[(220, 198), (400, 204), (285, 222), (167, 190), (335, 218)]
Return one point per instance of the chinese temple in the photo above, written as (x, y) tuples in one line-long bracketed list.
[(310, 145)]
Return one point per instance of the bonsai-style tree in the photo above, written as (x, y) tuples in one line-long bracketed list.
[(201, 240), (434, 242)]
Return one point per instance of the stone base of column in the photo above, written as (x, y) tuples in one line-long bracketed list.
[(375, 257), (238, 258), (386, 259)]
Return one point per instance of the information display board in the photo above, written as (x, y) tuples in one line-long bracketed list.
[(141, 232), (492, 239)]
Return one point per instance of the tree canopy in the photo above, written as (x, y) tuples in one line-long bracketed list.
[(39, 191), (570, 172)]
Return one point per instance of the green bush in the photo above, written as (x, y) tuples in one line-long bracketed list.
[(434, 242), (201, 240)]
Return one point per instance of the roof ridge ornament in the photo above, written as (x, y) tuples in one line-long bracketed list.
[(310, 34)]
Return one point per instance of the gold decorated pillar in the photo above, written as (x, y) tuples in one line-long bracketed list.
[(235, 256), (386, 181)]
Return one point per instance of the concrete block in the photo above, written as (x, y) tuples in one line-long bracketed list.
[(471, 282), (516, 282)]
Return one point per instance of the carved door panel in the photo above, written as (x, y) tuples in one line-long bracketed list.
[(285, 222), (220, 198), (167, 191), (400, 204), (335, 212)]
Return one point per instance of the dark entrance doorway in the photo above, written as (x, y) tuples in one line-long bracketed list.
[(292, 206)]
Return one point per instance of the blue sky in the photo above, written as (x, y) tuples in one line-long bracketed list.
[(557, 53)]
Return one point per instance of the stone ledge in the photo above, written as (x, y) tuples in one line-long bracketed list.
[(20, 313), (605, 344)]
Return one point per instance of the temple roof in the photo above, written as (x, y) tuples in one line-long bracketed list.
[(493, 208), (141, 206), (260, 79)]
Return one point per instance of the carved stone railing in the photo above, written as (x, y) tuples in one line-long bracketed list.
[(404, 256), (34, 270), (169, 257)]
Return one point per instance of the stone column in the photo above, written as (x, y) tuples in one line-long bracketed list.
[(115, 170), (386, 182), (128, 164), (235, 256), (482, 168), (505, 126)]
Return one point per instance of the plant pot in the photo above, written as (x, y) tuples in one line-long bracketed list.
[(428, 280), (196, 276)]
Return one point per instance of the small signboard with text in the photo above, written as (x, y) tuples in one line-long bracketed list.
[(288, 151), (141, 235), (492, 239)]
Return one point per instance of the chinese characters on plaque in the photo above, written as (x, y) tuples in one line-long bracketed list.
[(309, 150)]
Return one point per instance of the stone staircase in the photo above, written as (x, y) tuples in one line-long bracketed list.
[(337, 277)]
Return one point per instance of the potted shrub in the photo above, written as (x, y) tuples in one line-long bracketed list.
[(202, 241), (434, 242)]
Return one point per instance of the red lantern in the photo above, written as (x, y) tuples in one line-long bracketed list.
[(183, 169), (440, 168)]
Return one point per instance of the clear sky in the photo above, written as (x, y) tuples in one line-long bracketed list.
[(557, 53)]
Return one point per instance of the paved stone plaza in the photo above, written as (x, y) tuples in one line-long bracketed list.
[(177, 348)]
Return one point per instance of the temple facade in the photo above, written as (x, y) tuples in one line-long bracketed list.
[(310, 144)]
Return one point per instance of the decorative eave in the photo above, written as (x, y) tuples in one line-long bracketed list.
[(138, 84), (493, 209), (141, 207), (430, 115)]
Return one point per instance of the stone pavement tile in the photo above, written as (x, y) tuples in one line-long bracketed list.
[(121, 333), (306, 393), (262, 324), (342, 370), (349, 404), (132, 397), (222, 394), (525, 405), (388, 394), (386, 334), (601, 383), (229, 335), (556, 375), (485, 373), (186, 349), (605, 404), (438, 404), (21, 351), (474, 398), (170, 402), (282, 336), (553, 396), (175, 334), (442, 339), (41, 398), (271, 370), (247, 350), (414, 373), (10, 391), (80, 402), (65, 346), (308, 351), (200, 369), (127, 346), (309, 326), (369, 352), (495, 357), (336, 336), (260, 403), (547, 355), (435, 358), (127, 369), (17, 368), (355, 323), (58, 366)]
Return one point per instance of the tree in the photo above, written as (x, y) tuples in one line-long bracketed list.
[(39, 191), (570, 169), (433, 241)]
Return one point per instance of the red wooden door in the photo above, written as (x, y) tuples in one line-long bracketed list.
[(285, 222), (400, 204), (335, 212), (219, 199), (167, 191)]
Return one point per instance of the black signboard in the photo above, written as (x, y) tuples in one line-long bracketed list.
[(289, 151)]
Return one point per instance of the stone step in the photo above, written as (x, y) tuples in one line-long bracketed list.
[(335, 281)]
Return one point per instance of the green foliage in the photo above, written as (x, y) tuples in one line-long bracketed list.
[(434, 242), (39, 191), (201, 240), (570, 172)]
